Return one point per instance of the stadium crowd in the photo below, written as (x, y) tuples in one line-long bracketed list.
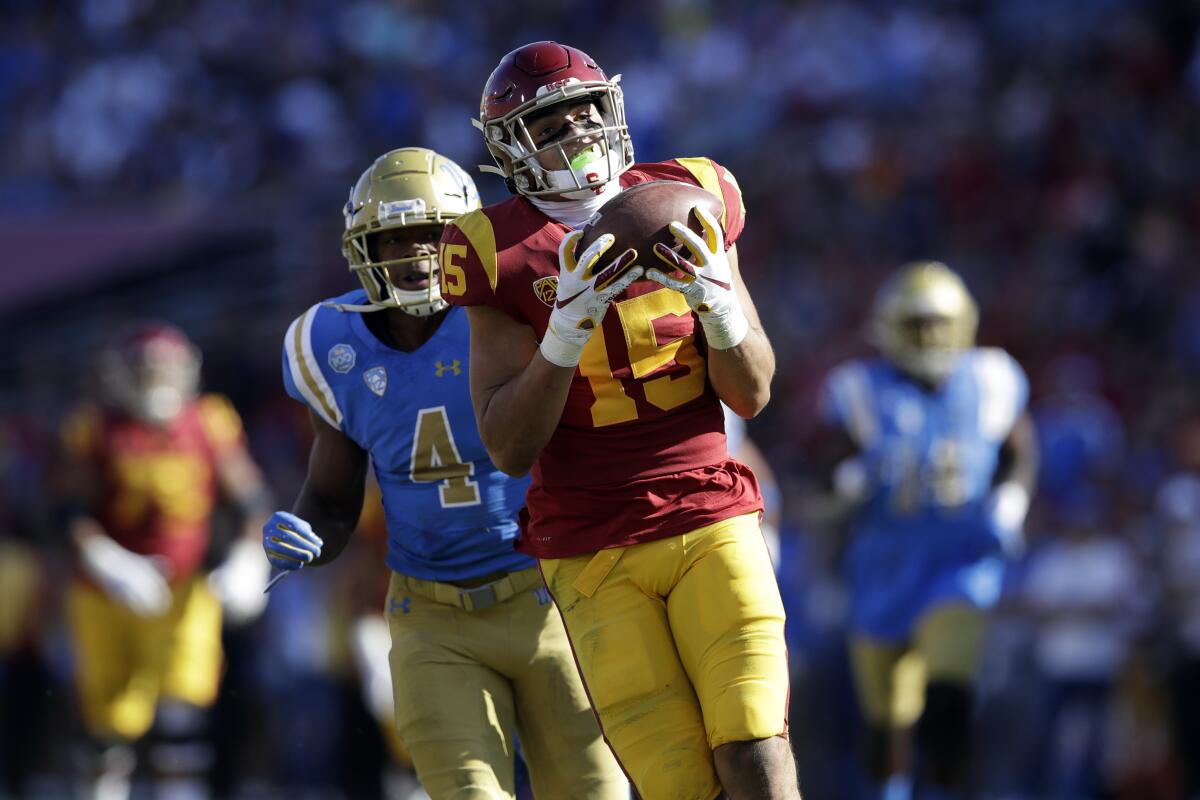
[(1044, 148)]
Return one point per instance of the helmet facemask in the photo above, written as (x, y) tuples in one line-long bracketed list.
[(579, 174), (376, 276), (927, 347)]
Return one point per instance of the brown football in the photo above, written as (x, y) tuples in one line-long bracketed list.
[(638, 217)]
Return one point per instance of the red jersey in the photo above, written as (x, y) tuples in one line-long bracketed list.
[(639, 453), (158, 483)]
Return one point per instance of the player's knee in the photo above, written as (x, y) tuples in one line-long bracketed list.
[(943, 732), (756, 766)]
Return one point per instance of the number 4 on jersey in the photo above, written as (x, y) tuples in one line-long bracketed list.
[(435, 458)]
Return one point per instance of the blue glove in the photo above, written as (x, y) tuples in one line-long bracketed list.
[(290, 542)]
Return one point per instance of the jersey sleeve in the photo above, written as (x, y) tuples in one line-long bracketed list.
[(710, 175), (845, 402), (469, 262), (1003, 389), (303, 377), (221, 423)]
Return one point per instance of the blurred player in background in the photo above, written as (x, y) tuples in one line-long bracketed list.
[(478, 652), (933, 453), (24, 679), (144, 469), (646, 530)]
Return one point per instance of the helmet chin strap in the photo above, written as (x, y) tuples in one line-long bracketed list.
[(414, 302), (422, 309)]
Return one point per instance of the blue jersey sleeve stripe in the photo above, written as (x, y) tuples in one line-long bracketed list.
[(306, 372), (289, 383)]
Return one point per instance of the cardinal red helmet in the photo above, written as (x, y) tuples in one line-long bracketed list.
[(529, 80), (151, 371)]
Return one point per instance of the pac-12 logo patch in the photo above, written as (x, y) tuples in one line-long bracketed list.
[(376, 379), (546, 289), (342, 358)]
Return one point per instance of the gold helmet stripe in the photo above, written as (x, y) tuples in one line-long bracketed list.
[(306, 372), (479, 232), (705, 171)]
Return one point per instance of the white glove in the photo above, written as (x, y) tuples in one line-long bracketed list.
[(240, 580), (584, 294), (706, 284), (1008, 504), (125, 576)]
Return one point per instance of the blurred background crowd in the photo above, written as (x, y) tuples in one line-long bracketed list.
[(189, 161)]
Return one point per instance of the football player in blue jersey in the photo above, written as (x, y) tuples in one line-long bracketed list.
[(934, 453), (478, 651)]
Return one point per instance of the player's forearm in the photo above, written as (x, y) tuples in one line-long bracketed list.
[(332, 519), (742, 375), (242, 485), (519, 417)]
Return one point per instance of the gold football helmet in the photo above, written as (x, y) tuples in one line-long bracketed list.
[(404, 188), (923, 319)]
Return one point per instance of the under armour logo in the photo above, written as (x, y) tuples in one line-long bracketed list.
[(454, 367), (402, 605)]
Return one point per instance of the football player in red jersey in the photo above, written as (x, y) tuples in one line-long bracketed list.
[(609, 390), (144, 469)]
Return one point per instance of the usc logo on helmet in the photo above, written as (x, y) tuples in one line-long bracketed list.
[(553, 85)]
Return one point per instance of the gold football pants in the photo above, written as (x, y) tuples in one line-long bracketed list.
[(680, 642), (125, 665), (466, 681)]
